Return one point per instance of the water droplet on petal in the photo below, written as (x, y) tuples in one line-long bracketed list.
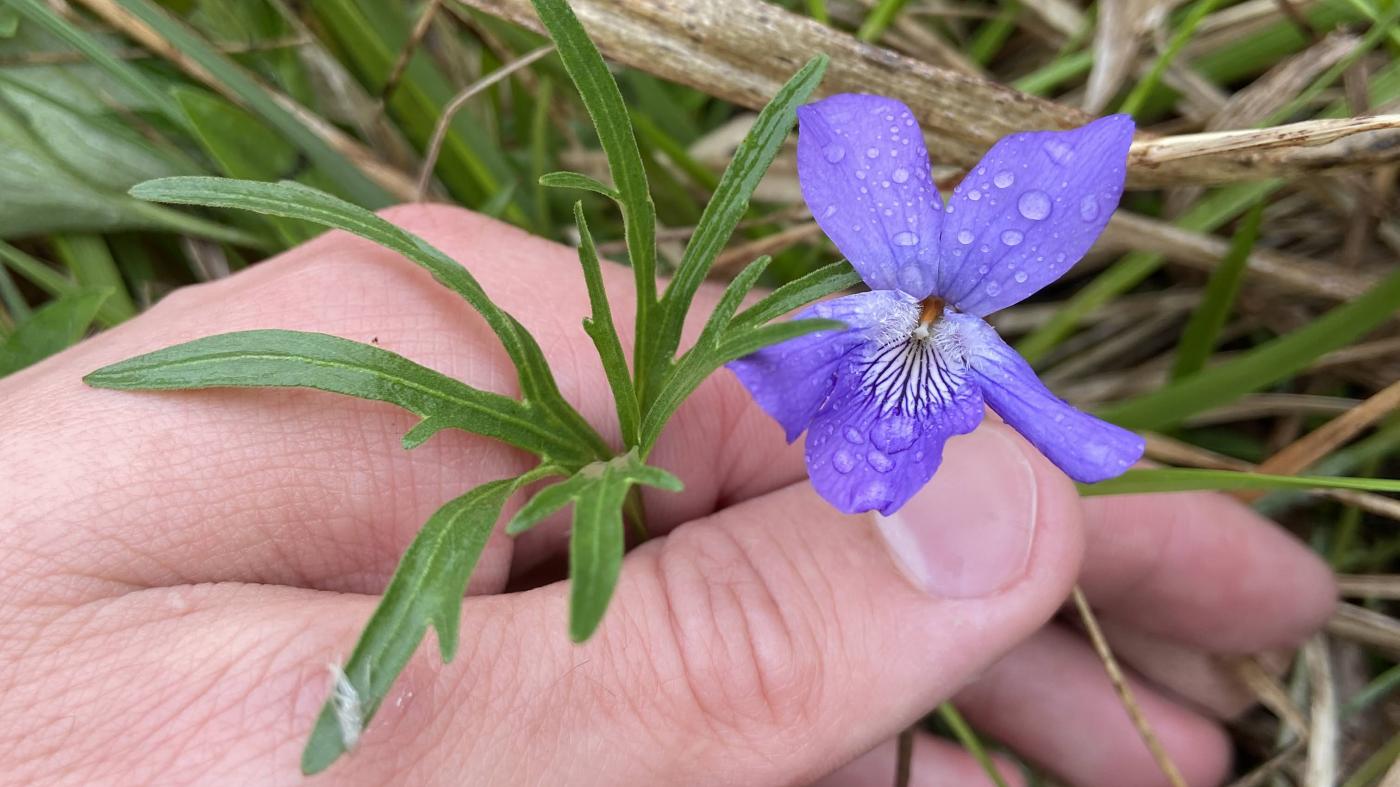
[(965, 237), (974, 195), (1058, 151), (912, 279), (1004, 179), (893, 435), (829, 212), (1012, 238), (1021, 277), (834, 153), (843, 461), (879, 461), (874, 495), (872, 152), (899, 175), (1034, 205), (860, 174), (905, 238), (1089, 208), (993, 289), (853, 434)]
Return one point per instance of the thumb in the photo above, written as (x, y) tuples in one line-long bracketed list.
[(777, 639)]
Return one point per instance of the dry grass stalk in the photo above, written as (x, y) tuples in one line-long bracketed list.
[(1175, 452), (388, 178), (1125, 692), (1366, 627), (1324, 731), (1289, 272), (1252, 105), (415, 37), (770, 244), (742, 51), (1266, 770), (450, 111), (1121, 29), (1307, 450), (1252, 674), (1375, 586)]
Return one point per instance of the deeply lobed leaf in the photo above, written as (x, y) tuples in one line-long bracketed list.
[(426, 589)]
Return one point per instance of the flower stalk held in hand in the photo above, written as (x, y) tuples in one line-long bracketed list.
[(917, 362)]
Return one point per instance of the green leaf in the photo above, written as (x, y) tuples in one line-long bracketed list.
[(57, 326), (628, 466), (293, 200), (727, 206), (750, 341), (294, 359), (1176, 479), (242, 146), (1262, 366), (603, 332), (596, 544), (426, 589), (605, 106), (799, 292), (578, 180), (1203, 330), (702, 360)]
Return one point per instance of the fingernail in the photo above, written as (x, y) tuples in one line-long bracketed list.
[(968, 533)]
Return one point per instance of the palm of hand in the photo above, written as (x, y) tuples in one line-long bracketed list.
[(178, 569)]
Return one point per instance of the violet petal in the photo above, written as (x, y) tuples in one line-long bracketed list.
[(1029, 211), (792, 379), (865, 457), (1086, 448), (864, 172)]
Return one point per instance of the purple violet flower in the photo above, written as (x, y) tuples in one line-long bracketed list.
[(917, 362)]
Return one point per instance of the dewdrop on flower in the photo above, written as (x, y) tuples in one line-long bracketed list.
[(917, 362)]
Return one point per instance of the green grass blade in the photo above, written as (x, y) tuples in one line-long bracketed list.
[(56, 326), (879, 19), (1207, 214), (90, 262), (347, 177), (1145, 86), (40, 13), (1202, 332), (1262, 366), (1181, 479)]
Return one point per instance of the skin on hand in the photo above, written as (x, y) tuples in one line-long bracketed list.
[(178, 569)]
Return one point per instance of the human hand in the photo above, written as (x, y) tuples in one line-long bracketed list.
[(177, 570)]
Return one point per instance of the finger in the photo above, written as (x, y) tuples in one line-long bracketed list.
[(304, 488), (1051, 701), (776, 639), (1202, 680), (1204, 570), (768, 643), (934, 763)]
